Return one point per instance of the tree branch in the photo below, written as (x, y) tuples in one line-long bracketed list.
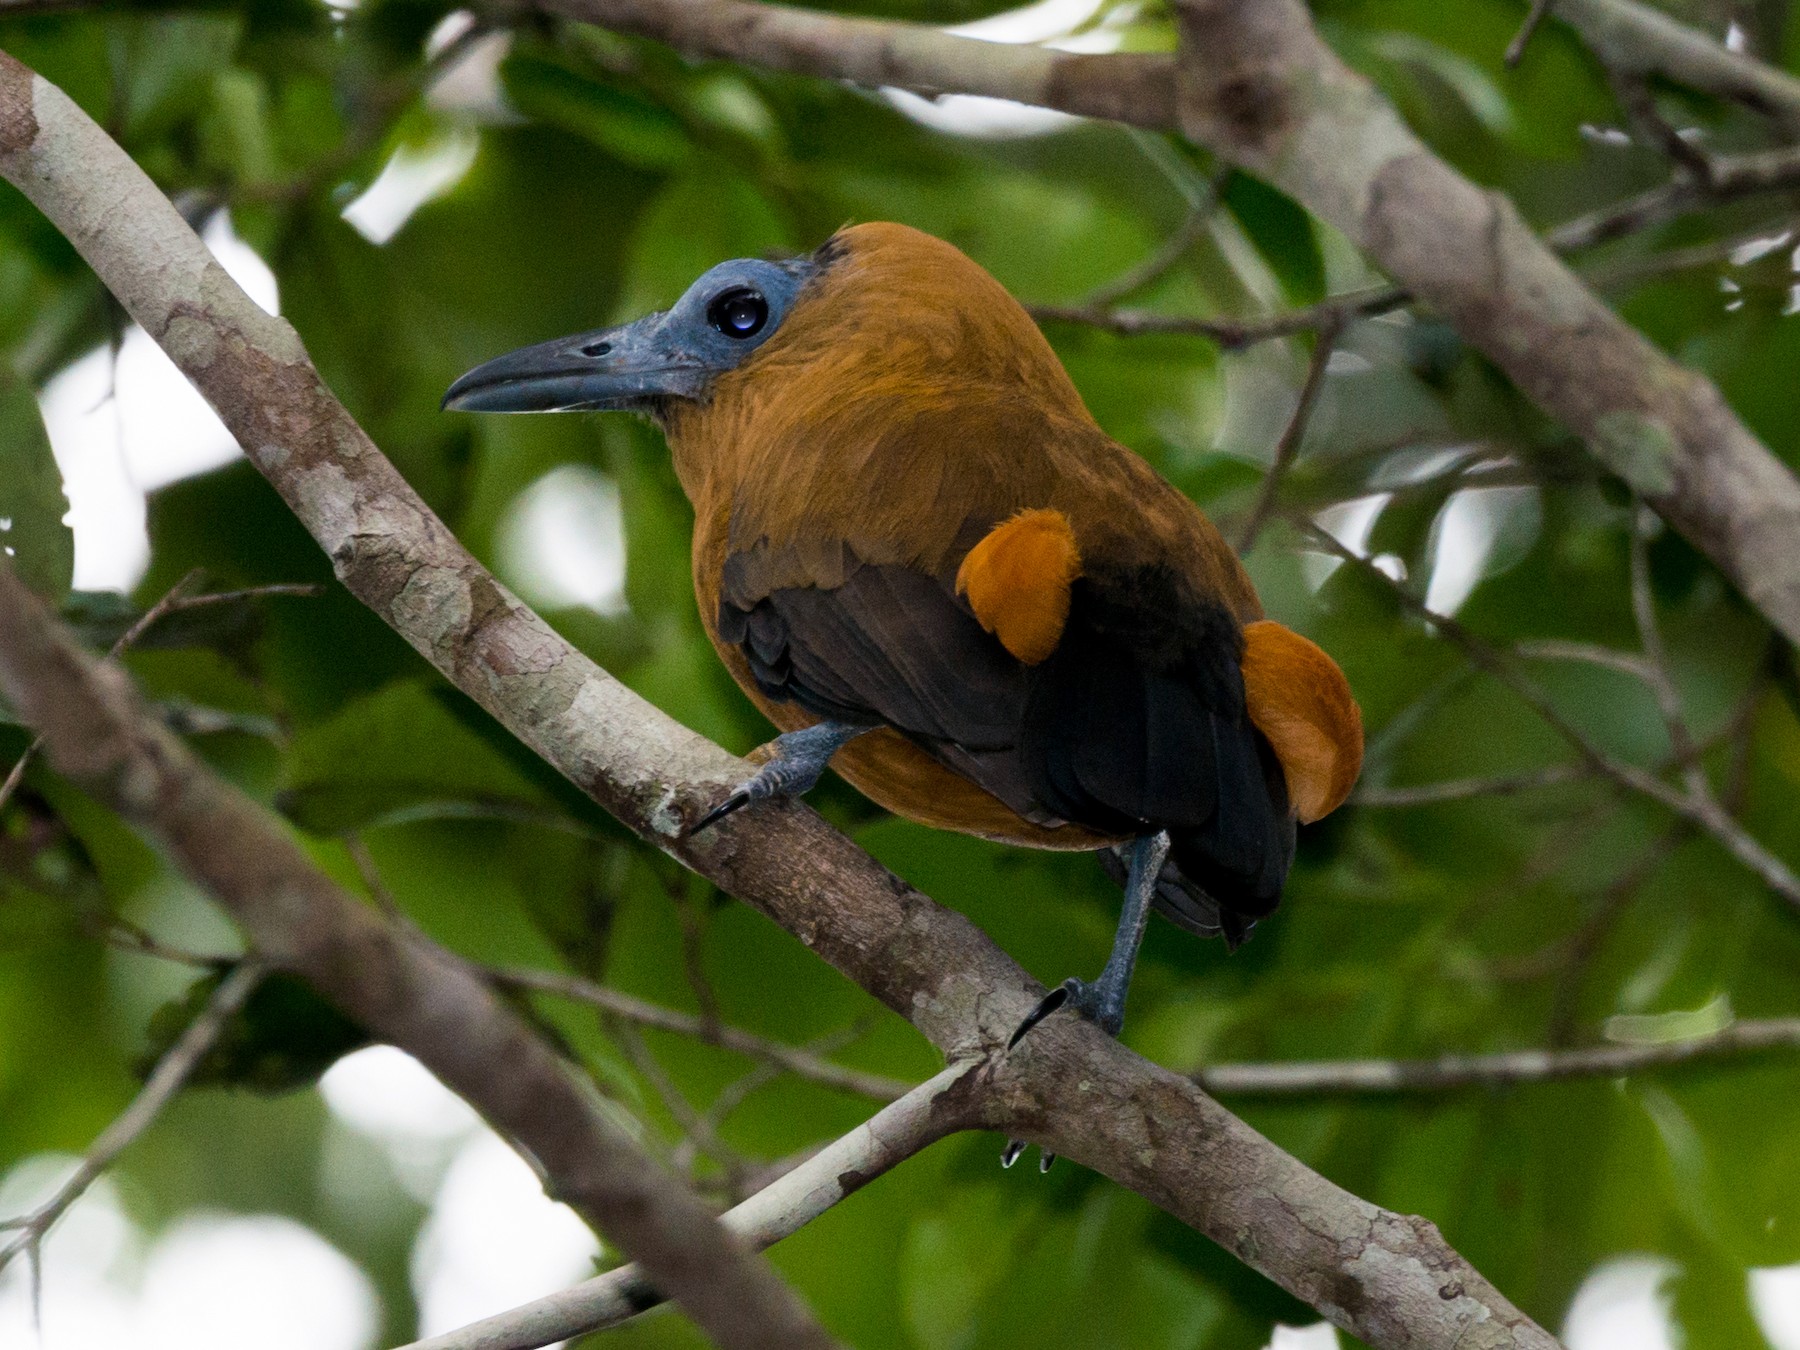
[(1135, 88), (1287, 446), (1231, 334), (1373, 1077), (403, 989), (1388, 1279), (925, 1114), (1637, 39), (616, 1003)]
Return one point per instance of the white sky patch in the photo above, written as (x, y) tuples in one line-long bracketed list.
[(494, 1240), (414, 176), (1039, 22), (211, 1279), (1464, 537), (1319, 1336), (973, 115), (1775, 1303), (562, 541), (1752, 249), (1624, 1304), (387, 1095), (199, 1286), (1350, 523), (1049, 22), (121, 429), (1605, 135)]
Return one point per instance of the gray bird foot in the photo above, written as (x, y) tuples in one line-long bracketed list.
[(1092, 1001), (1104, 1007), (1102, 1001), (798, 760)]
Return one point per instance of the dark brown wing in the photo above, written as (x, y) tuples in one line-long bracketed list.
[(1135, 723)]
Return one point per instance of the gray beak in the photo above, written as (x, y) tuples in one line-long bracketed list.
[(613, 368)]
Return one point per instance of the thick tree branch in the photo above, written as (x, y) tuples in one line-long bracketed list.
[(1389, 1279), (404, 990), (1134, 88)]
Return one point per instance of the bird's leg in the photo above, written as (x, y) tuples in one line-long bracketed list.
[(1103, 1001), (798, 759)]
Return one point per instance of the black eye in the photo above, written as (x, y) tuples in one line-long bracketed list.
[(738, 313)]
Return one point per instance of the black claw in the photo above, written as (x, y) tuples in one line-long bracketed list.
[(1046, 1005), (1045, 1160), (1010, 1154), (736, 801)]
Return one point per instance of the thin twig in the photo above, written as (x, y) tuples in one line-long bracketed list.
[(1461, 789), (117, 931), (1173, 249), (1515, 50), (798, 1062), (1703, 809), (1730, 178), (1231, 334), (698, 1130), (172, 602), (1633, 92), (1584, 945), (1360, 1077), (1656, 656), (750, 1178), (373, 882), (693, 945), (1590, 653), (171, 1071), (1288, 446)]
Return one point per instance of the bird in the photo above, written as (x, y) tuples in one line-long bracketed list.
[(922, 558)]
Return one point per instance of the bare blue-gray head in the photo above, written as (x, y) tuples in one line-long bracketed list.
[(676, 353)]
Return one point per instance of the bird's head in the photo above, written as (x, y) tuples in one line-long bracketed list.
[(876, 303), (676, 353)]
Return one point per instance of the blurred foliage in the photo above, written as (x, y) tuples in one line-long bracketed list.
[(607, 174)]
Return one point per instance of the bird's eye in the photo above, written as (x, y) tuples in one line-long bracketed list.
[(738, 313)]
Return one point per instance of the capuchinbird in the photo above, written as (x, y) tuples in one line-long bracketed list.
[(921, 557)]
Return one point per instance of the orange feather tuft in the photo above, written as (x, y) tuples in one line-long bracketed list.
[(1299, 699), (1017, 581)]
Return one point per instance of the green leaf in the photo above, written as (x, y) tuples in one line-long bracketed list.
[(33, 533), (630, 128), (399, 754)]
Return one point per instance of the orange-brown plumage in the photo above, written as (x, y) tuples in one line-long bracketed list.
[(1300, 700), (906, 407), (1017, 581), (910, 532)]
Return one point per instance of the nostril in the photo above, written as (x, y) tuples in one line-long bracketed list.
[(596, 349)]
